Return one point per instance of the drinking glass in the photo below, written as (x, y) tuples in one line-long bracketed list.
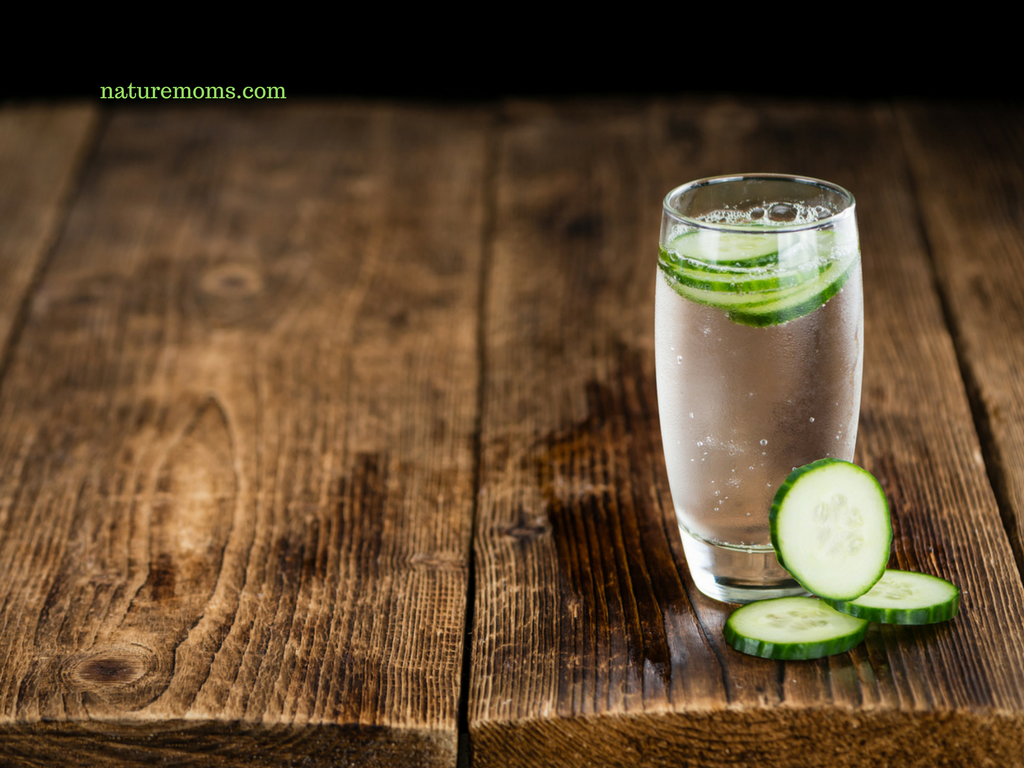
[(759, 339)]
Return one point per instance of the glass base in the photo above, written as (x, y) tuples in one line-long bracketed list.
[(737, 574)]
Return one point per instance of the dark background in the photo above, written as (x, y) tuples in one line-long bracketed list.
[(443, 85), (623, 65)]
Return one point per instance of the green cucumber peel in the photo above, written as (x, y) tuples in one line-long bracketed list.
[(757, 295), (830, 527), (792, 629), (904, 597)]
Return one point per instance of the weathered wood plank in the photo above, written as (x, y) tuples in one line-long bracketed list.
[(591, 646), (968, 168), (237, 441), (41, 150)]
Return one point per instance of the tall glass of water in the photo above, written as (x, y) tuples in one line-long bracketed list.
[(759, 337)]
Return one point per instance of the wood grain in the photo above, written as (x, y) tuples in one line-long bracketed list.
[(591, 646), (240, 421), (237, 436), (41, 151), (968, 170)]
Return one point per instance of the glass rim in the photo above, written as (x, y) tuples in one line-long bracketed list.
[(846, 212)]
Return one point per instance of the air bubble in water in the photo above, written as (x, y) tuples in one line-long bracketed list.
[(768, 212), (782, 212)]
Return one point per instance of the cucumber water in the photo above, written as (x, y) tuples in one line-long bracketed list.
[(759, 349)]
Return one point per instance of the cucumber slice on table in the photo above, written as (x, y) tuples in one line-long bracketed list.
[(903, 597), (792, 628), (830, 527)]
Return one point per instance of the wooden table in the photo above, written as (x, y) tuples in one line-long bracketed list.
[(328, 437)]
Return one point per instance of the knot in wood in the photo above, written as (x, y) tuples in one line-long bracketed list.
[(528, 530), (437, 560), (110, 670), (110, 667), (232, 281)]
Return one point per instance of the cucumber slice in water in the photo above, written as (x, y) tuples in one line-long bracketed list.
[(759, 278), (728, 248), (795, 303), (831, 530), (903, 597), (738, 281), (792, 628)]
